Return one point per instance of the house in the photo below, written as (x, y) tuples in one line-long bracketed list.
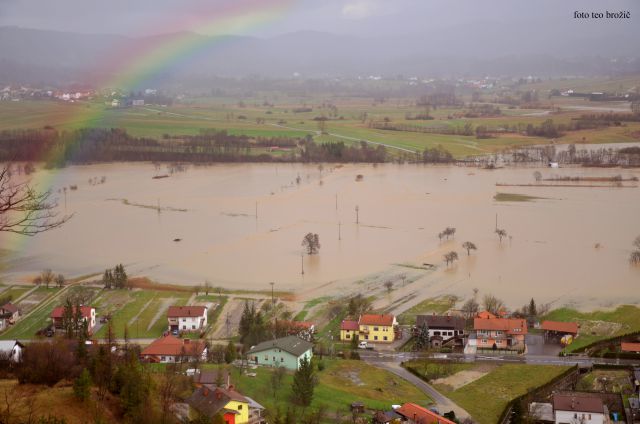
[(212, 378), (170, 349), (416, 414), (284, 352), (88, 314), (10, 313), (585, 408), (500, 333), (348, 330), (256, 412), (445, 326), (211, 401), (630, 347), (11, 350), (386, 417), (377, 327), (187, 318)]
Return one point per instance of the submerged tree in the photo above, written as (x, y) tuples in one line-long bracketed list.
[(501, 234), (635, 255), (311, 242), (450, 257), (25, 211), (469, 246)]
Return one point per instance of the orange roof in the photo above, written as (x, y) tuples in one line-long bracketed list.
[(421, 415), (58, 312), (349, 325), (562, 327), (173, 346), (486, 315), (377, 319), (185, 311), (630, 347), (508, 325)]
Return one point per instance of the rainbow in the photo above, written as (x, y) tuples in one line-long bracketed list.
[(127, 67)]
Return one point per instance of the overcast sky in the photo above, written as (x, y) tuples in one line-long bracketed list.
[(365, 18)]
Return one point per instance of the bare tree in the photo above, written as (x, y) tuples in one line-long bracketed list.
[(47, 277), (25, 211), (492, 304), (469, 246), (501, 234), (311, 242), (450, 257), (635, 255), (60, 280), (388, 285), (538, 176)]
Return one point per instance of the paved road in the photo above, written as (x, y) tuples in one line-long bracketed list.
[(391, 363)]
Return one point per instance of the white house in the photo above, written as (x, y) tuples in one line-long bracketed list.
[(582, 408), (88, 314), (12, 349), (187, 318)]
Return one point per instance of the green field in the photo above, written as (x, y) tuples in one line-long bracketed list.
[(14, 292), (349, 122), (598, 325), (486, 397), (139, 310), (514, 197), (38, 317)]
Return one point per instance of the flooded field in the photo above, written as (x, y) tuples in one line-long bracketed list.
[(201, 224)]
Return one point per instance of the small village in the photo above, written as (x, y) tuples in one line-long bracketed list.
[(612, 366)]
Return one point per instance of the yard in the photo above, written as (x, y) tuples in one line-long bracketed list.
[(486, 397), (608, 380), (436, 305), (339, 384), (38, 305), (598, 325)]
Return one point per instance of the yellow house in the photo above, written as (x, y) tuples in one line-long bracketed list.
[(210, 401), (348, 330), (377, 328)]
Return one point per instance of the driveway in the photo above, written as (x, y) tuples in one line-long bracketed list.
[(537, 347)]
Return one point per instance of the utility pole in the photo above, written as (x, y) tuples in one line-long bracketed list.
[(357, 214), (339, 227), (302, 262), (496, 220), (336, 201)]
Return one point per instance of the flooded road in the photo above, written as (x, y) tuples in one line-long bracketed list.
[(201, 224)]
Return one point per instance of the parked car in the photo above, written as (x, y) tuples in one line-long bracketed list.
[(364, 345), (175, 332)]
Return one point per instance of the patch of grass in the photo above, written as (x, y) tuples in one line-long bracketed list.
[(339, 384), (300, 316), (616, 381), (14, 292), (436, 305), (486, 398), (514, 197), (598, 325), (27, 327)]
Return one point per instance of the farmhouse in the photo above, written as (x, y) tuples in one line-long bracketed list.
[(210, 401), (187, 318), (170, 349), (377, 327), (416, 414), (499, 333), (11, 350), (444, 326), (88, 315), (10, 312), (585, 408), (285, 352)]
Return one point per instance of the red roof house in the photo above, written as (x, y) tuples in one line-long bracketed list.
[(88, 314), (173, 349), (420, 415)]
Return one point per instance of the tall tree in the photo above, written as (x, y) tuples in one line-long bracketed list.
[(304, 382)]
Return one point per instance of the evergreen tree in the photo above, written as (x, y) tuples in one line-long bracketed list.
[(422, 338), (230, 353), (304, 382), (67, 318), (82, 385), (532, 308)]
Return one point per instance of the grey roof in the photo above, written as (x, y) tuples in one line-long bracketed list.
[(253, 404), (292, 344), (441, 321)]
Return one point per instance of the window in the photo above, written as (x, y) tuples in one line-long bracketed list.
[(347, 336), (184, 327), (266, 357), (162, 358), (281, 359), (240, 407), (193, 327), (436, 333), (375, 328), (385, 337), (375, 337), (184, 320), (366, 337)]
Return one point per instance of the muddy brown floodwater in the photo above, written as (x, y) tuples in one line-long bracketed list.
[(550, 253)]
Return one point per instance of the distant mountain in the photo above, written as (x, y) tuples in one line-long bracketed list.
[(37, 56)]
